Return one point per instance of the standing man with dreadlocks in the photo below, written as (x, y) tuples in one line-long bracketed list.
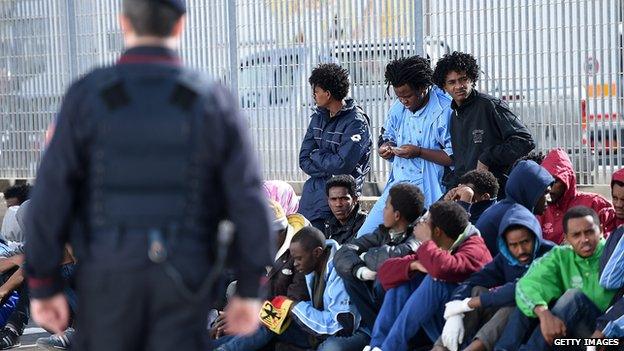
[(486, 134), (415, 137)]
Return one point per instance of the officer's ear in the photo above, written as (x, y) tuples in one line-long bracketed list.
[(178, 28), (125, 24)]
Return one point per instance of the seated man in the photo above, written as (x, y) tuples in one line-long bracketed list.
[(565, 279), (564, 195), (329, 321), (357, 263), (529, 186), (476, 192), (613, 217), (480, 306), (346, 218), (451, 251)]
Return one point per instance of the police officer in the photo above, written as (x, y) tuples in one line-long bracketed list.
[(146, 159)]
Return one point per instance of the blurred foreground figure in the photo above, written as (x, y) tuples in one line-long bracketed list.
[(147, 158)]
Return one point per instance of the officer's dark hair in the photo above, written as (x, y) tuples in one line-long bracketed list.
[(343, 180), (309, 238), (458, 62), (151, 18), (21, 192), (408, 200), (331, 77), (484, 182), (579, 212), (450, 217), (415, 71)]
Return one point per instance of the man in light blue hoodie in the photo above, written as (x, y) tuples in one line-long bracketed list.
[(329, 321)]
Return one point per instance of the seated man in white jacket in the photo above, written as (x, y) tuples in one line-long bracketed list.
[(328, 322)]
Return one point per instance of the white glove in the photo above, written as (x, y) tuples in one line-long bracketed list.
[(457, 307), (363, 273), (453, 332)]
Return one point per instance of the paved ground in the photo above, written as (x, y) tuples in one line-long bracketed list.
[(31, 334)]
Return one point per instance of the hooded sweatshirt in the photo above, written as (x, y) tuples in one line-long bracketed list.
[(607, 216), (561, 269), (558, 164), (467, 255), (527, 183), (501, 274)]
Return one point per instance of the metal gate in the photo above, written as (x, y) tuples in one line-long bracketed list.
[(558, 63)]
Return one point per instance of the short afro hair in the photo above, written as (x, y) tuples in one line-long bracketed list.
[(408, 200), (535, 156), (458, 62), (450, 217), (331, 77), (579, 212), (415, 71), (151, 18), (20, 192), (310, 238), (343, 180), (484, 182)]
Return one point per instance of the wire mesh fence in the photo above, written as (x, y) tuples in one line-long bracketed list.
[(557, 63)]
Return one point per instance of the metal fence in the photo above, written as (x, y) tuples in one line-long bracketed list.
[(558, 63)]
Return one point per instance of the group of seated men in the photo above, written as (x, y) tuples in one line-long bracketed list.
[(467, 273)]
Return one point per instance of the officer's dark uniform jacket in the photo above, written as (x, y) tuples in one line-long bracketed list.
[(345, 233), (484, 129), (146, 153), (333, 146)]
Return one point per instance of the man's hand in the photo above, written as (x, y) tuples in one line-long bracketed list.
[(218, 327), (52, 313), (453, 332), (417, 266), (242, 316), (450, 195), (364, 274), (407, 151), (464, 193), (422, 231), (482, 167), (385, 150), (551, 326), (457, 307)]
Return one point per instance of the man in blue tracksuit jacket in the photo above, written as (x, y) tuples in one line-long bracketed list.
[(528, 185), (490, 293), (337, 142)]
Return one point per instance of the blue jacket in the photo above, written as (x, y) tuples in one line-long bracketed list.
[(501, 274), (612, 277), (333, 146), (527, 183), (338, 313), (476, 209)]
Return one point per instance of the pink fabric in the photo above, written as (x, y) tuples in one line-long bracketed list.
[(283, 193)]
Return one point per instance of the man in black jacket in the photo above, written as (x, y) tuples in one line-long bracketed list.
[(357, 262), (485, 133), (346, 219)]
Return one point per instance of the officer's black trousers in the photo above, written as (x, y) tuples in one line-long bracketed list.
[(137, 310)]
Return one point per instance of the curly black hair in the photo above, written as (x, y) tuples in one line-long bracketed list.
[(484, 182), (331, 77), (536, 156), (450, 217), (408, 200), (415, 71), (458, 62), (343, 180)]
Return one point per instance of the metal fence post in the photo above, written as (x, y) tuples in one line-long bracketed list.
[(72, 55), (233, 45), (418, 27)]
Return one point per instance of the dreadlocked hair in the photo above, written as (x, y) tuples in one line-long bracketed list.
[(415, 71)]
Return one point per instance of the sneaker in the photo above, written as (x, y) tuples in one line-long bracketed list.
[(57, 342), (8, 339)]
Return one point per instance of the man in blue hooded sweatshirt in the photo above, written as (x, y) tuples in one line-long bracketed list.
[(528, 185), (489, 294)]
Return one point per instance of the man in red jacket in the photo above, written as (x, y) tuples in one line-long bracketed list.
[(452, 249), (564, 195), (613, 217)]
